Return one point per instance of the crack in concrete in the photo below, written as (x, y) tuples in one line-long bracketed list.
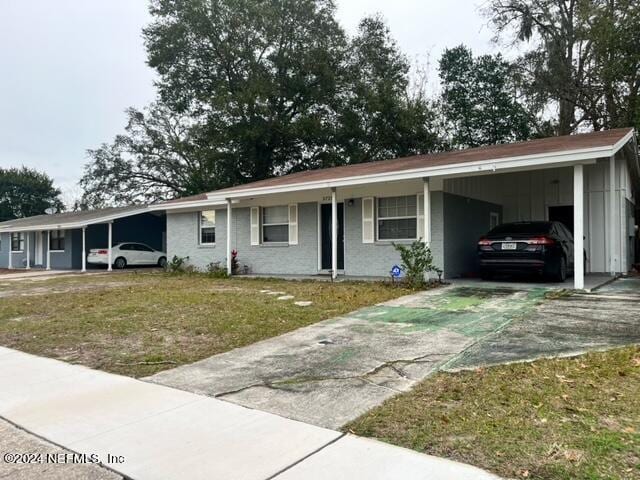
[(391, 364)]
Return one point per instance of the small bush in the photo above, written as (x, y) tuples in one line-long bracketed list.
[(177, 265), (215, 270), (417, 261)]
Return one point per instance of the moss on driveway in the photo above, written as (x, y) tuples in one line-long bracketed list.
[(575, 418), (141, 323)]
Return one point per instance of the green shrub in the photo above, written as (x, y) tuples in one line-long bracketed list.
[(417, 261), (215, 270), (177, 265)]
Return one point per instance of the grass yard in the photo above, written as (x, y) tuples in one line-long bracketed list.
[(575, 418), (140, 323)]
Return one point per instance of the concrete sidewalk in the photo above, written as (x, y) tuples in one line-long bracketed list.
[(147, 431)]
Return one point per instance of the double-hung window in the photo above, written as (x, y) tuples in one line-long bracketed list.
[(275, 224), (17, 242), (208, 227), (56, 240), (398, 218)]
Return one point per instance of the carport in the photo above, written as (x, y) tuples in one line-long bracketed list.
[(62, 241), (593, 197)]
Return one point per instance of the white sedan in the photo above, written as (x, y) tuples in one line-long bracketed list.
[(128, 253)]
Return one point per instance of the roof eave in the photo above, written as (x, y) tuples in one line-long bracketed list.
[(478, 167), (73, 225)]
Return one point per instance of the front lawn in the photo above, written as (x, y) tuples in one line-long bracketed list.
[(140, 323), (567, 419)]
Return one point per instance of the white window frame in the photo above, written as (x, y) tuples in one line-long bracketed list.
[(64, 235), (21, 240), (200, 227), (263, 224), (378, 218)]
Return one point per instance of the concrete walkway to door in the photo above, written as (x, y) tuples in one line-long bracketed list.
[(150, 432)]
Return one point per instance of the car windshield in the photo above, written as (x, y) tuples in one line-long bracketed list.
[(522, 228)]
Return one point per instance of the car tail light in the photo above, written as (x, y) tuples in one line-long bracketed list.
[(484, 242), (541, 241), (102, 252)]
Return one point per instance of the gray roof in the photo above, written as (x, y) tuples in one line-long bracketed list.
[(71, 219)]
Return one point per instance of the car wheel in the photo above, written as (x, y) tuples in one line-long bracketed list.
[(162, 262), (561, 274), (120, 263)]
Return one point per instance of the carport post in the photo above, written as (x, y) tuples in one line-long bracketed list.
[(110, 241), (48, 250), (229, 265), (334, 234), (84, 249), (426, 209), (27, 234), (10, 265), (611, 238), (578, 227)]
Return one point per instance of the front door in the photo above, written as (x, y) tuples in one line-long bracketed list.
[(325, 232)]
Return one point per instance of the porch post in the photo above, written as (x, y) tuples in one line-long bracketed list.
[(10, 264), (229, 213), (334, 234), (109, 247), (27, 246), (426, 209), (578, 227), (48, 250), (84, 249), (611, 238)]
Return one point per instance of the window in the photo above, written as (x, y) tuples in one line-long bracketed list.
[(208, 227), (142, 248), (398, 218), (17, 242), (56, 240), (275, 224)]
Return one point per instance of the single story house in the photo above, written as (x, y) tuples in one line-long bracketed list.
[(62, 241), (344, 220)]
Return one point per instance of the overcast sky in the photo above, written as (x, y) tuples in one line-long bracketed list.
[(69, 69)]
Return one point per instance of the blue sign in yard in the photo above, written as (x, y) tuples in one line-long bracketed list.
[(396, 271)]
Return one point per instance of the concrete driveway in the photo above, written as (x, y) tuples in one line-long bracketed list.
[(564, 326), (331, 372)]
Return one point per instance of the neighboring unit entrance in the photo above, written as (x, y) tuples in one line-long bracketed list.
[(562, 214), (325, 236)]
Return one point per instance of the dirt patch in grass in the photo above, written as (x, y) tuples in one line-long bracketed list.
[(576, 418), (138, 324)]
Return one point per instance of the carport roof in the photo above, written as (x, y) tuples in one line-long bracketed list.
[(69, 220)]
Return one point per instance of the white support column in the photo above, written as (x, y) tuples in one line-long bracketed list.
[(28, 247), (110, 248), (334, 234), (612, 237), (426, 208), (229, 213), (84, 249), (578, 227), (48, 250), (10, 264)]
